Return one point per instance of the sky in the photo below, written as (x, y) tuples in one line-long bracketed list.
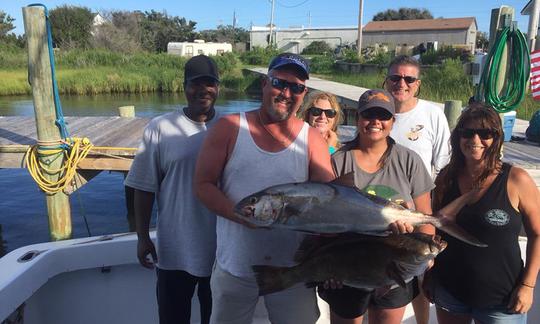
[(208, 14)]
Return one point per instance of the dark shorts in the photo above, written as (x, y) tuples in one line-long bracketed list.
[(349, 302), (174, 291)]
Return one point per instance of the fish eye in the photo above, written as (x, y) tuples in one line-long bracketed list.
[(253, 199)]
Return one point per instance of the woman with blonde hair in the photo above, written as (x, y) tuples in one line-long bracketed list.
[(322, 111)]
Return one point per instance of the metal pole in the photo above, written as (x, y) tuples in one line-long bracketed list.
[(270, 42), (359, 41), (533, 24)]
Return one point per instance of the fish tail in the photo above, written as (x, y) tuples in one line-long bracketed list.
[(450, 227), (272, 279)]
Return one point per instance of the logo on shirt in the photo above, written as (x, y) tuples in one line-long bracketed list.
[(414, 134), (497, 217), (381, 191)]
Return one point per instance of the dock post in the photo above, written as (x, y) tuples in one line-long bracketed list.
[(40, 78), (452, 110), (126, 111)]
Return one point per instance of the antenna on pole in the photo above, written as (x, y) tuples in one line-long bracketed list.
[(309, 21)]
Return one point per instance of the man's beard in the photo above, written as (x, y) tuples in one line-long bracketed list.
[(277, 115)]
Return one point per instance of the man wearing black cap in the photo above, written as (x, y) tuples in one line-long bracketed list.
[(163, 171), (243, 154)]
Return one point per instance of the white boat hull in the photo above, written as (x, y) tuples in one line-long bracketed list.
[(99, 280)]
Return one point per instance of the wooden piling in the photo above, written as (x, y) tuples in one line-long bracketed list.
[(40, 78), (452, 110), (126, 111)]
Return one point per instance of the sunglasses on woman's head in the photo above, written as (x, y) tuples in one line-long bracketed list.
[(376, 113), (396, 78), (280, 84), (330, 113), (483, 133)]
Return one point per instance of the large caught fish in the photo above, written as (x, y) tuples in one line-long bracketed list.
[(332, 208), (361, 261)]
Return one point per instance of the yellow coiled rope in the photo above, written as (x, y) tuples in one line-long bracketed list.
[(39, 158)]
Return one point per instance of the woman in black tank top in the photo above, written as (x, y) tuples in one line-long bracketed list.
[(485, 284)]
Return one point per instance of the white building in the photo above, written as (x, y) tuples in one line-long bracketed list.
[(198, 47), (295, 39)]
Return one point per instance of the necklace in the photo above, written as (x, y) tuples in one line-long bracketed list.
[(283, 141)]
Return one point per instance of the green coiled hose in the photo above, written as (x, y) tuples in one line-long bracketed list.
[(516, 76)]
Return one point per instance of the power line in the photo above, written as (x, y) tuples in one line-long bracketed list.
[(292, 6)]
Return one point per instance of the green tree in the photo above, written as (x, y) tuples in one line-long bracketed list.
[(403, 14), (225, 33), (158, 29), (71, 26), (6, 23), (317, 47), (482, 40), (120, 33)]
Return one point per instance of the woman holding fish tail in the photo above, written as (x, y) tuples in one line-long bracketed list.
[(374, 163), (487, 285), (322, 111)]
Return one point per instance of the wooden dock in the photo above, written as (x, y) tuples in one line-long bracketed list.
[(122, 135)]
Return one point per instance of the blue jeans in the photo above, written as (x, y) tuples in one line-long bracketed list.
[(492, 315)]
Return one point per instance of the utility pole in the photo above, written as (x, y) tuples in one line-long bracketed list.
[(234, 28), (309, 19), (359, 41), (270, 41), (533, 24)]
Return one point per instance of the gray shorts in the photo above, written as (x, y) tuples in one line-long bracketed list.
[(234, 300)]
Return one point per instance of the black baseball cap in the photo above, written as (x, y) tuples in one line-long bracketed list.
[(200, 66), (293, 60), (376, 98)]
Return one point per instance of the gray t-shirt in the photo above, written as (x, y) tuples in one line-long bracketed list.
[(164, 165), (402, 178)]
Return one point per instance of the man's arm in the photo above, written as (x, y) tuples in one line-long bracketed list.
[(212, 159), (320, 167), (144, 201)]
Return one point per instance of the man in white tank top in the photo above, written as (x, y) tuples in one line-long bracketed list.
[(245, 153)]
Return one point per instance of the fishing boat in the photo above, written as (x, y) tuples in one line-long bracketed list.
[(99, 280)]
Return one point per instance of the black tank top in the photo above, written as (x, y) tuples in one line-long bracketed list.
[(483, 277)]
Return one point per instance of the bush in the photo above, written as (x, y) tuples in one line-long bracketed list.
[(321, 64), (317, 47), (446, 52), (227, 62), (259, 56), (448, 81), (351, 56), (381, 59)]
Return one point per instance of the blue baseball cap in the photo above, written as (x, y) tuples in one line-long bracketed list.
[(293, 60)]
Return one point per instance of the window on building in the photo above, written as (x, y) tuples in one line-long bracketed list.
[(220, 52), (200, 52), (189, 50)]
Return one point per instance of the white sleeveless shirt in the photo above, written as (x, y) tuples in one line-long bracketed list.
[(249, 170)]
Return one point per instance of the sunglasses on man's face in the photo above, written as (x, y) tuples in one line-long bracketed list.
[(379, 114), (483, 133), (397, 78), (280, 84), (330, 113)]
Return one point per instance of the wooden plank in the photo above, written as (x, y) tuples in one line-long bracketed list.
[(101, 163)]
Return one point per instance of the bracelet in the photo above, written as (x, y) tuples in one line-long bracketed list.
[(529, 286)]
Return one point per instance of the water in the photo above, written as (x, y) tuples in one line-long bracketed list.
[(23, 212)]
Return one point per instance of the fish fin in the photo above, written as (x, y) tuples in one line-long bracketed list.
[(272, 279), (346, 180), (394, 271), (452, 228)]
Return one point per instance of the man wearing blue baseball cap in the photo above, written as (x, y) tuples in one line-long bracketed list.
[(243, 154)]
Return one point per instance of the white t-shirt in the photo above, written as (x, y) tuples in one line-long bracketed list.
[(165, 165), (424, 129)]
